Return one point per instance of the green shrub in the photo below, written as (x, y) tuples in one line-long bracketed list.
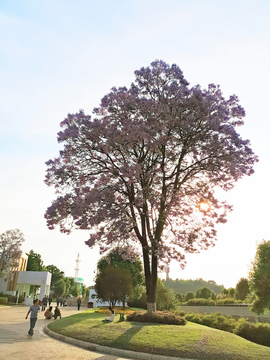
[(139, 303), (227, 301), (160, 317), (216, 321), (200, 302), (179, 313), (258, 333), (3, 300)]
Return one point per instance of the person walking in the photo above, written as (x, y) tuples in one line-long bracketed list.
[(44, 303), (79, 301), (34, 309), (50, 300), (57, 301)]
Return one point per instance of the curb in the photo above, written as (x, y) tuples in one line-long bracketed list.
[(107, 350)]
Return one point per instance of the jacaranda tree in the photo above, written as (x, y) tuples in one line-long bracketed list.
[(144, 170), (10, 252)]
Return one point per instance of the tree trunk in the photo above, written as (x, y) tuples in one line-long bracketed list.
[(151, 307), (150, 280)]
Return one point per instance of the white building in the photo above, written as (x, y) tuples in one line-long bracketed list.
[(96, 302), (22, 281)]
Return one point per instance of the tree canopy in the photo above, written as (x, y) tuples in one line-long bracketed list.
[(144, 170), (57, 274), (34, 262), (259, 277), (242, 289), (114, 284), (124, 259), (10, 251)]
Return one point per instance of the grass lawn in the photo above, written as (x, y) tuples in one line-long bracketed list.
[(192, 341)]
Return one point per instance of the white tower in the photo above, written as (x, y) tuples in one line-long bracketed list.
[(77, 267), (167, 271)]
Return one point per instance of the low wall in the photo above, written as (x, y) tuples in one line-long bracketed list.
[(234, 310)]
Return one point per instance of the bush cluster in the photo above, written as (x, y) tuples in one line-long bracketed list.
[(227, 301), (200, 302), (139, 303), (11, 298), (210, 302), (3, 300), (216, 321), (159, 317), (258, 333)]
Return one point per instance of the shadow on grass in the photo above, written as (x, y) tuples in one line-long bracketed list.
[(127, 336)]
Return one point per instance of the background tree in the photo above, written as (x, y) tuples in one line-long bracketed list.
[(59, 288), (189, 295), (179, 297), (87, 293), (84, 290), (203, 292), (166, 299), (259, 277), (67, 288), (57, 274), (242, 289), (231, 292), (34, 262), (225, 293), (213, 295), (145, 169), (10, 252), (125, 259), (113, 284), (74, 288)]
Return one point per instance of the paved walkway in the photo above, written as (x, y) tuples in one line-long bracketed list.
[(15, 344)]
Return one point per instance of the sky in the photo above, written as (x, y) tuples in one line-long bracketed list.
[(57, 57)]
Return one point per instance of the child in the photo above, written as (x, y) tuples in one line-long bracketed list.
[(57, 312), (34, 309)]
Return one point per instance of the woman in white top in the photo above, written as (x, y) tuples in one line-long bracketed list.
[(111, 317)]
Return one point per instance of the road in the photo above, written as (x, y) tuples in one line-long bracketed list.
[(16, 344)]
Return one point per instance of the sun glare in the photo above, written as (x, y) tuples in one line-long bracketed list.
[(204, 206)]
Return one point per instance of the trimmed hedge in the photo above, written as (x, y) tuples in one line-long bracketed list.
[(200, 302), (210, 302), (3, 300), (158, 317), (228, 301)]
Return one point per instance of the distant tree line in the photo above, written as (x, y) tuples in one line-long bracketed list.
[(184, 286)]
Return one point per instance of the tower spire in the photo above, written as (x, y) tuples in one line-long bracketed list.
[(77, 267)]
